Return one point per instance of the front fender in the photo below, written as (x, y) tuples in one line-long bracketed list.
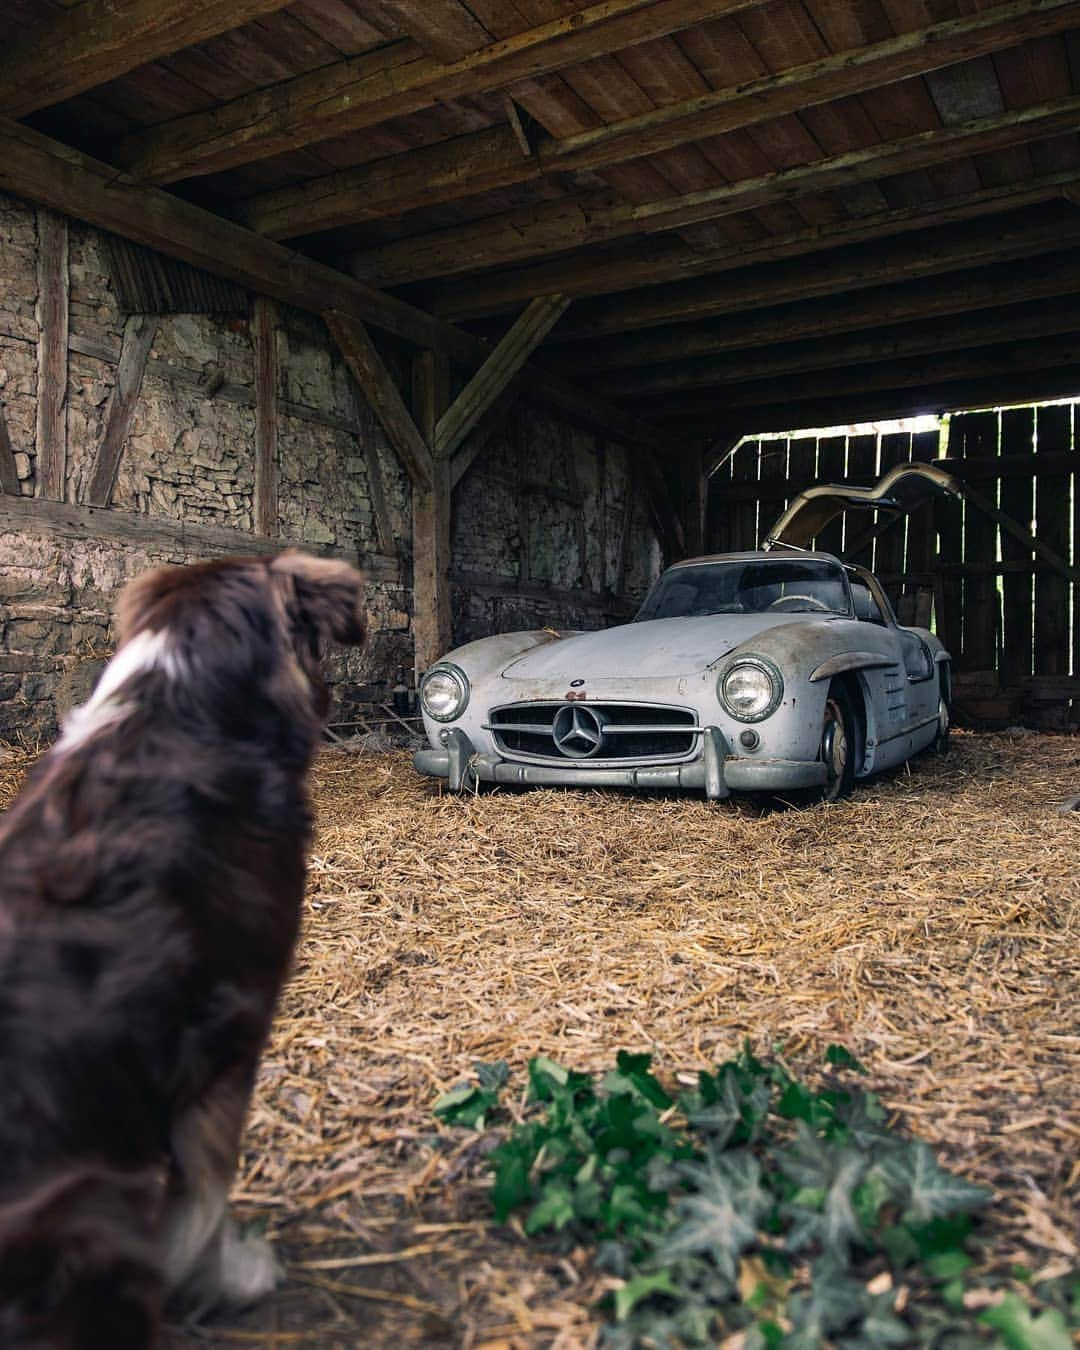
[(836, 665)]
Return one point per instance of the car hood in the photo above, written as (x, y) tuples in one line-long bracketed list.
[(655, 648)]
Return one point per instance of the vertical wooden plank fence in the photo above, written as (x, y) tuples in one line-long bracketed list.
[(1008, 612)]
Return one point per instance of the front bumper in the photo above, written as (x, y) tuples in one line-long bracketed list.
[(715, 771)]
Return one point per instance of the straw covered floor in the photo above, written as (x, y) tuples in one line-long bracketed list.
[(930, 924)]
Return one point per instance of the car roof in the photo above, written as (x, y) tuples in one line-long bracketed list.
[(757, 555)]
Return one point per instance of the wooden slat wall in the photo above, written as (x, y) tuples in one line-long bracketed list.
[(1010, 620)]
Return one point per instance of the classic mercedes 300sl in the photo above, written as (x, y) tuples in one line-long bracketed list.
[(779, 670)]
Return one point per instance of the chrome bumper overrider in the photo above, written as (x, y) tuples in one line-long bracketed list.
[(716, 772)]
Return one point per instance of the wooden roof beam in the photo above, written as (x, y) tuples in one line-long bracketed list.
[(394, 81), (989, 392), (1001, 360), (44, 171), (660, 259), (965, 293), (1046, 229), (566, 224), (99, 40), (492, 158), (796, 358)]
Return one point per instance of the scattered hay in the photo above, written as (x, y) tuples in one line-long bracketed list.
[(930, 924)]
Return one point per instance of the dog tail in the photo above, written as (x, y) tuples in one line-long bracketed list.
[(79, 1265)]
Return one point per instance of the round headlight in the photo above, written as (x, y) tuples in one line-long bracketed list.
[(444, 693), (750, 689)]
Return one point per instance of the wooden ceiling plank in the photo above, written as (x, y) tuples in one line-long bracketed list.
[(660, 261), (563, 225), (425, 177), (365, 90), (524, 336), (102, 39)]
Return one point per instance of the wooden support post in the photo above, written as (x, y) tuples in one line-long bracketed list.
[(264, 335), (432, 543), (692, 499), (9, 474), (138, 339), (52, 316)]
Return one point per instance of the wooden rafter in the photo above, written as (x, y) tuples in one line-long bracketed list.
[(39, 168), (495, 374), (1025, 322), (661, 259), (99, 40), (965, 292), (493, 158), (138, 339), (395, 81), (554, 226), (910, 258)]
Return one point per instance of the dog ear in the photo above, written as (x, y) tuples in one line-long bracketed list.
[(326, 592)]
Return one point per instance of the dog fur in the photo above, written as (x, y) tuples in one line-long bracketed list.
[(151, 879)]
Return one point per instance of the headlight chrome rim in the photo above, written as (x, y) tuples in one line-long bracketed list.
[(459, 677), (768, 668)]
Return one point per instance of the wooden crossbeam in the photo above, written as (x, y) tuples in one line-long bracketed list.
[(395, 81), (44, 171), (1000, 360), (370, 372), (138, 338), (909, 258), (99, 40), (495, 374), (493, 158), (965, 292), (664, 259), (1025, 322), (565, 224)]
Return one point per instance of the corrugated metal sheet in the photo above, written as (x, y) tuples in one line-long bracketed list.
[(149, 283)]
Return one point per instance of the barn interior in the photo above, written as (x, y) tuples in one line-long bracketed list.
[(489, 294), (512, 302)]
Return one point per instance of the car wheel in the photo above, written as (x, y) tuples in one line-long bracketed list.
[(838, 744), (940, 743)]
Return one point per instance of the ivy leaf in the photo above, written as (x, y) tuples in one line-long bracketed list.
[(513, 1161), (840, 1058), (642, 1287), (1019, 1330), (632, 1075), (720, 1218), (465, 1105), (831, 1305), (492, 1077), (554, 1209), (929, 1192)]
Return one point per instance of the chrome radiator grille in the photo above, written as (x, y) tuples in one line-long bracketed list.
[(594, 731)]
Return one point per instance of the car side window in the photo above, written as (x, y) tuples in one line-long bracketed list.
[(866, 607)]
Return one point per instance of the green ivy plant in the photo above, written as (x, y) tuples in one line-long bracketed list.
[(753, 1203)]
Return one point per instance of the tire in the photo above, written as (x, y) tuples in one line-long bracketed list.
[(838, 743), (940, 744)]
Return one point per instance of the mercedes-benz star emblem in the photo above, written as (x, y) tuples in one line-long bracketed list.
[(578, 731)]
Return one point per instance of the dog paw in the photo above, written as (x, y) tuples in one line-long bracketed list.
[(248, 1268)]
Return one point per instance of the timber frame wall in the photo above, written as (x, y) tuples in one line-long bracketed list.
[(1008, 612)]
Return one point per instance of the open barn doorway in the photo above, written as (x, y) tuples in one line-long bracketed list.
[(994, 575)]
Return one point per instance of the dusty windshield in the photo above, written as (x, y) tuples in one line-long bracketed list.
[(754, 586)]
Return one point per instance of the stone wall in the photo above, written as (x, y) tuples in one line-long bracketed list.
[(538, 521)]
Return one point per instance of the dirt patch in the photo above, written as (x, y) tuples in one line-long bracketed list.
[(930, 924)]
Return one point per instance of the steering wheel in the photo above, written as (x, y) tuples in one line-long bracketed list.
[(804, 599)]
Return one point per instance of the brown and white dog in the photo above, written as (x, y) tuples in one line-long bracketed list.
[(151, 878)]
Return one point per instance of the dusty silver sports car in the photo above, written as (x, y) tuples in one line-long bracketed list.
[(770, 671)]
